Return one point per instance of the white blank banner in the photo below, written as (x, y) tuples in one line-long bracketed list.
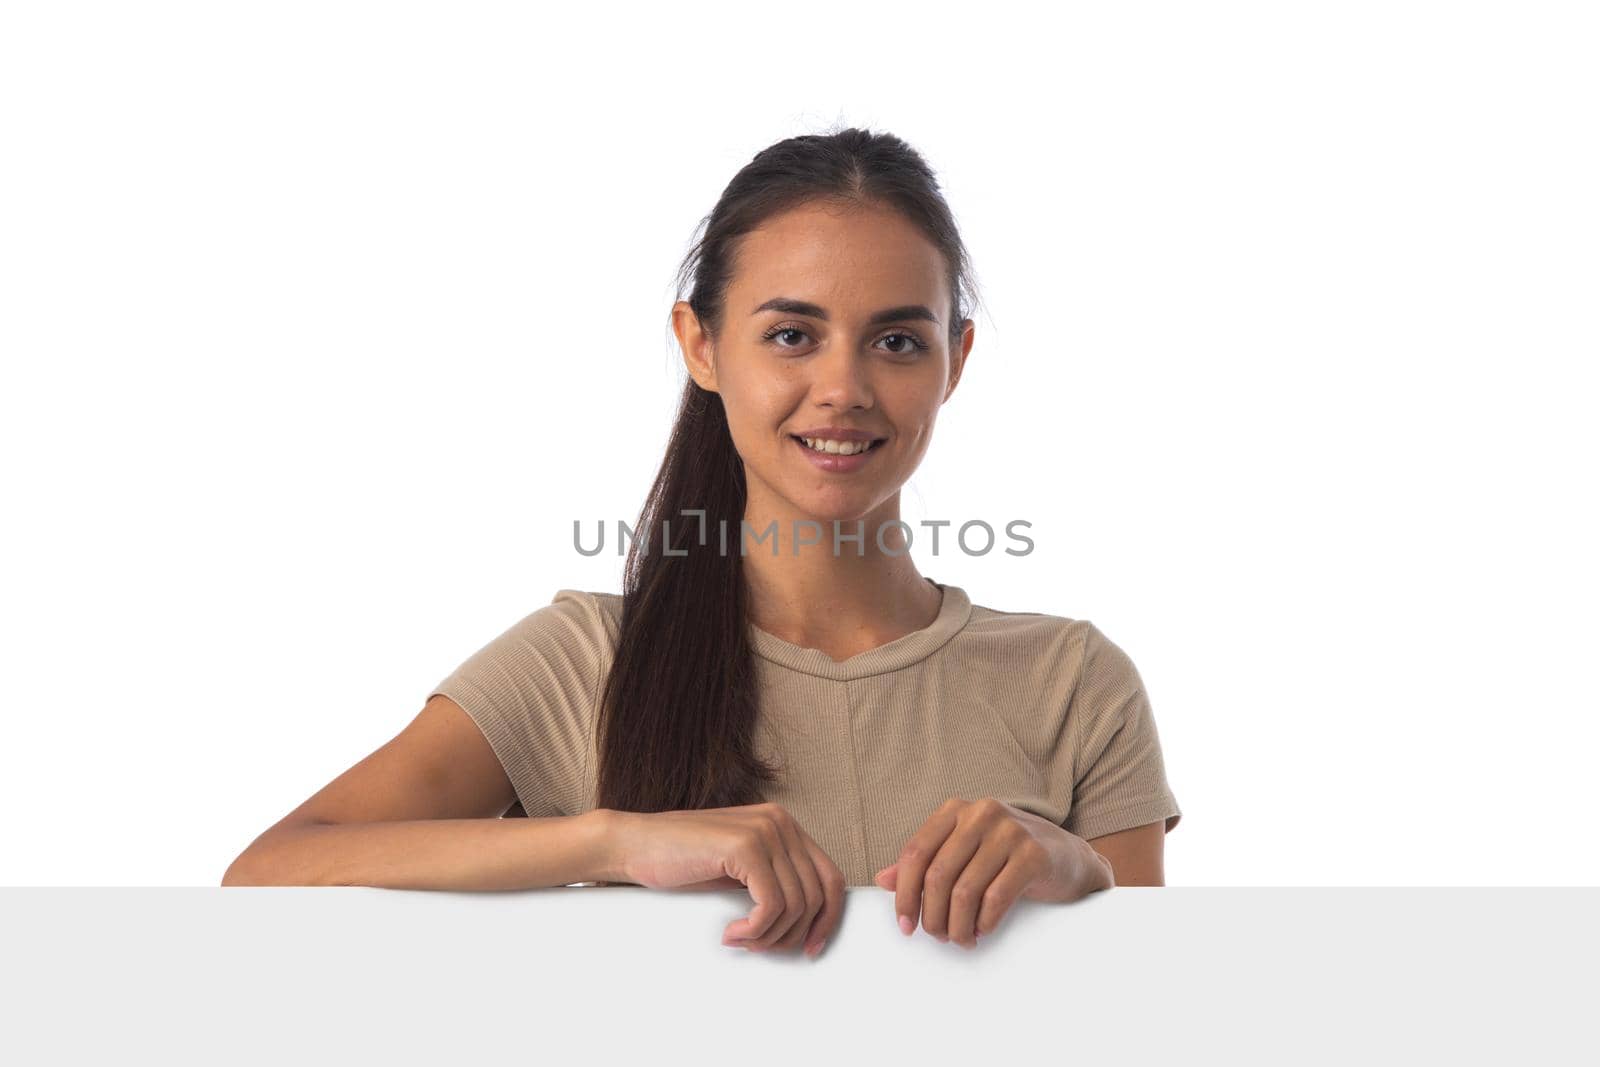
[(628, 975)]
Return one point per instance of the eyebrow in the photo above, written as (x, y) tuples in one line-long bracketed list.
[(816, 311)]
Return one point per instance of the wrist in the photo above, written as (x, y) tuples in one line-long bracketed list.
[(1079, 870), (610, 828), (1095, 871)]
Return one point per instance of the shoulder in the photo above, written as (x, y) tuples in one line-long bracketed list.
[(1061, 649), (576, 625), (1033, 635), (592, 616), (587, 602)]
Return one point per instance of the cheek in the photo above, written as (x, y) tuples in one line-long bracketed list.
[(759, 406), (913, 413), (756, 414)]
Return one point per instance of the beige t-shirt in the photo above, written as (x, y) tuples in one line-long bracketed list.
[(1041, 711)]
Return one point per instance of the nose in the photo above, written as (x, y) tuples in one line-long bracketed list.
[(841, 380)]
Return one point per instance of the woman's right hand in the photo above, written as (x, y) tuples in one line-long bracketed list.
[(798, 890)]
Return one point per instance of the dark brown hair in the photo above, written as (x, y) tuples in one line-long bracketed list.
[(677, 722)]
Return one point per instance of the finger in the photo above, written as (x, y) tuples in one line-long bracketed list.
[(884, 879), (790, 899), (966, 896), (752, 866), (794, 897), (1008, 885), (810, 885), (914, 859), (833, 886), (942, 874)]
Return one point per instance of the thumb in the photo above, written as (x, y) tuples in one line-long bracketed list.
[(888, 877)]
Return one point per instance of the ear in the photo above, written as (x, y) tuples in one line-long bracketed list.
[(958, 358), (698, 352)]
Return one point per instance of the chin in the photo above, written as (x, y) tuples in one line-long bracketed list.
[(845, 507)]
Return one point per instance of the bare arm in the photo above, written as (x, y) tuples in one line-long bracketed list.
[(1136, 854), (459, 854), (422, 812)]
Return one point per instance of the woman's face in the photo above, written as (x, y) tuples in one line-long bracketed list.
[(821, 329)]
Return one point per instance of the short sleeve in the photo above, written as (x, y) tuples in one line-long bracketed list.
[(1119, 776), (531, 691)]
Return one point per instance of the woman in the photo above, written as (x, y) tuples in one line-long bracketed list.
[(778, 698)]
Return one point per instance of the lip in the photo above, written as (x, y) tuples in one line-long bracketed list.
[(835, 463)]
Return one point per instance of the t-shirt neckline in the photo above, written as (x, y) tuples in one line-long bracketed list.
[(954, 611)]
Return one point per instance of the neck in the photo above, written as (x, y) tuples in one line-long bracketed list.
[(840, 603)]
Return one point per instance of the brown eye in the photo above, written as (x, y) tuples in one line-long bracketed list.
[(916, 343), (779, 331)]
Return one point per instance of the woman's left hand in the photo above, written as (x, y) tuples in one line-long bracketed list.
[(972, 860)]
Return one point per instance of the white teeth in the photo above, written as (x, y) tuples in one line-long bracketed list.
[(839, 448)]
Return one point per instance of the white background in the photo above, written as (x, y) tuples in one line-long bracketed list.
[(321, 322)]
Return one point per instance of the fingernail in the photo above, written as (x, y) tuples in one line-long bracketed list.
[(906, 925), (816, 950)]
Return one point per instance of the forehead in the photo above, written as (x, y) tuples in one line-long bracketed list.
[(839, 257)]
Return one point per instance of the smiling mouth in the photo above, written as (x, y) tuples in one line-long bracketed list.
[(824, 452)]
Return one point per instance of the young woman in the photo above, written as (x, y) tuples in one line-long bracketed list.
[(777, 699)]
